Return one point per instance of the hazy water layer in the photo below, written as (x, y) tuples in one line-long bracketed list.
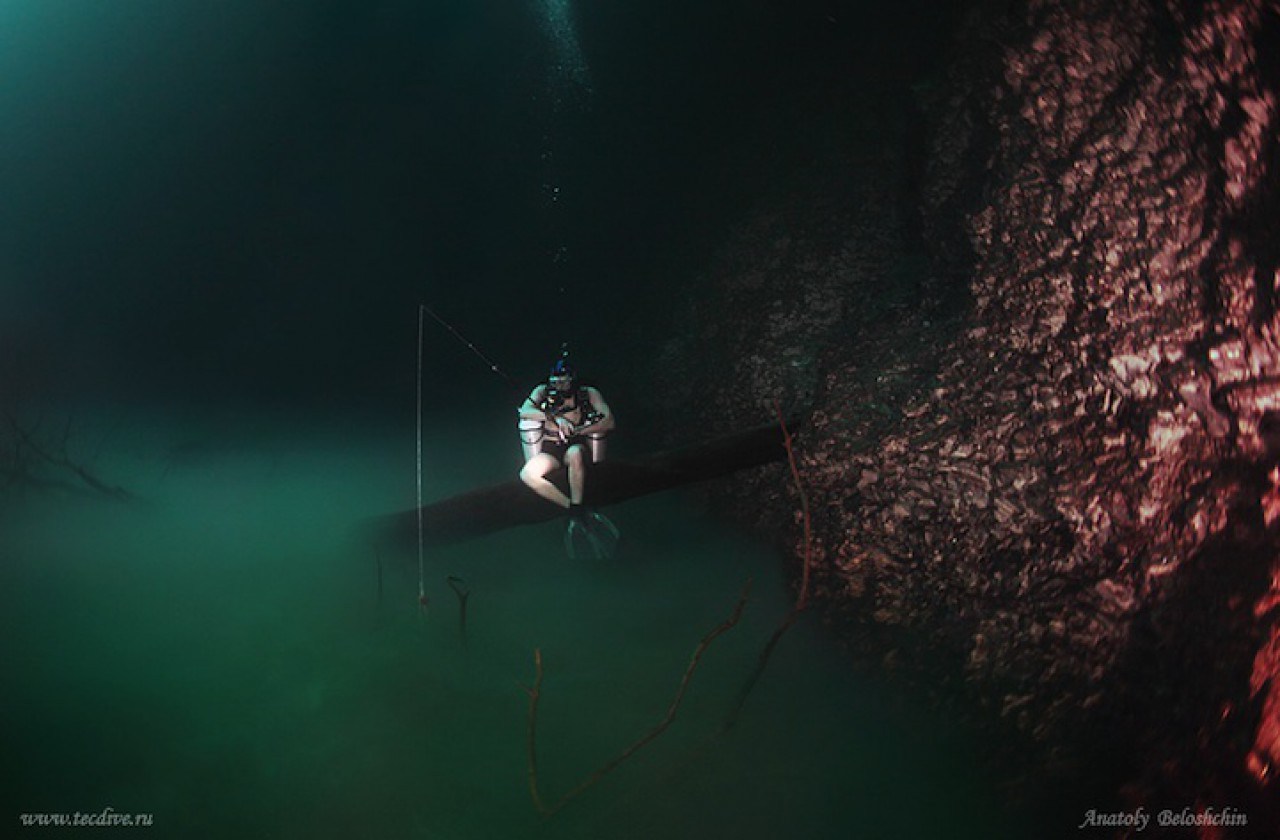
[(217, 655)]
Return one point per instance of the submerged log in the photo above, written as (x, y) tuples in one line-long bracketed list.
[(511, 504)]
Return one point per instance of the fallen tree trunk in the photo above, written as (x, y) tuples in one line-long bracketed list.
[(511, 504)]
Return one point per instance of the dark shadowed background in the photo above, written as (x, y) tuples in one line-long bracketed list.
[(248, 200)]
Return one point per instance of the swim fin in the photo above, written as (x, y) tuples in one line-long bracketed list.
[(590, 536)]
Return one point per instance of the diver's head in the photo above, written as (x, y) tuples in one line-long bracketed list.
[(562, 374)]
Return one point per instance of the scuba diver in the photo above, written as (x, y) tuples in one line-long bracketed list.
[(562, 422)]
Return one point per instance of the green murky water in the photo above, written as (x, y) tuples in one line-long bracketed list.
[(217, 656)]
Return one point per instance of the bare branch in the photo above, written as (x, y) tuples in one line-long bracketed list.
[(802, 599), (639, 743), (27, 449)]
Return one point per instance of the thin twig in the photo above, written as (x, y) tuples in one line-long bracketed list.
[(460, 588), (377, 553), (535, 693), (802, 599), (26, 439), (641, 742), (758, 671)]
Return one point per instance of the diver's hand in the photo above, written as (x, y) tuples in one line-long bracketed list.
[(564, 428)]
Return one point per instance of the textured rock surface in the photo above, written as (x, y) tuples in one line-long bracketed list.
[(1069, 509), (1108, 530)]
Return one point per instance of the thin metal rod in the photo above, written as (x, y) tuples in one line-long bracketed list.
[(493, 367)]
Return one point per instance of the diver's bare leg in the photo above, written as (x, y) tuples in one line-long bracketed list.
[(534, 474), (575, 458)]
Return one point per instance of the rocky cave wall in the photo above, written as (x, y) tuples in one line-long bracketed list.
[(1064, 504)]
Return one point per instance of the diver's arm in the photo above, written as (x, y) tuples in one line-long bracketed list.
[(530, 412), (605, 423), (529, 408)]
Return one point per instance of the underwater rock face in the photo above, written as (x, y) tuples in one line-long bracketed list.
[(1102, 428), (1076, 522), (1084, 509)]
